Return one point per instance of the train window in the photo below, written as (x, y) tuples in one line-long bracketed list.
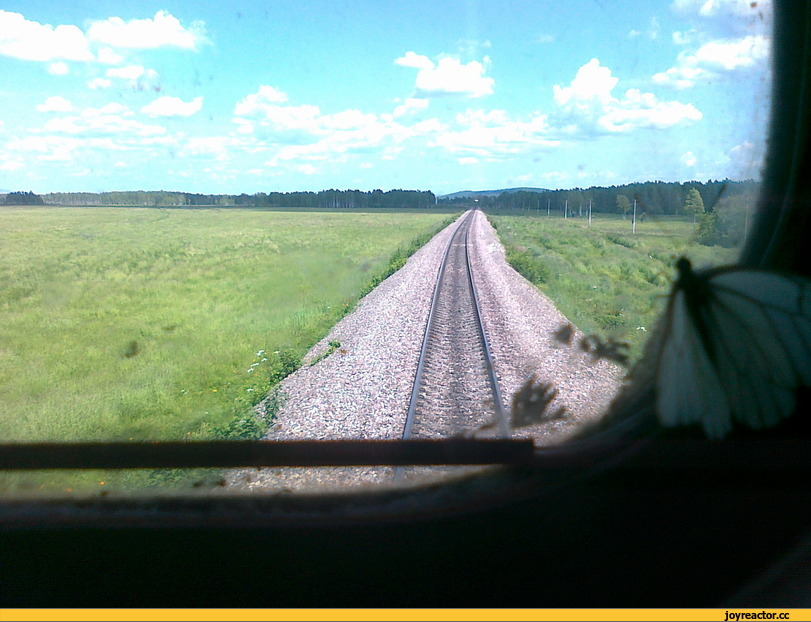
[(225, 224)]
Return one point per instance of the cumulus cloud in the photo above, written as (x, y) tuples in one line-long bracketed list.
[(448, 76), (99, 83), (256, 102), (108, 56), (130, 72), (208, 146), (417, 61), (714, 8), (730, 55), (412, 104), (681, 77), (588, 106), (745, 161), (715, 58), (110, 119), (493, 134), (727, 36), (688, 159), (56, 103), (173, 107), (30, 40), (58, 68), (304, 133), (162, 30)]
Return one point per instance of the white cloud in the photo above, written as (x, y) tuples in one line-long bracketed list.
[(108, 56), (307, 169), (130, 72), (468, 160), (732, 54), (259, 101), (588, 106), (110, 119), (56, 103), (58, 68), (652, 32), (688, 159), (173, 107), (216, 146), (417, 61), (59, 148), (684, 37), (30, 40), (493, 134), (545, 38), (99, 83), (745, 161), (713, 59), (111, 108), (713, 8), (448, 76), (10, 164), (163, 30), (411, 104), (681, 77)]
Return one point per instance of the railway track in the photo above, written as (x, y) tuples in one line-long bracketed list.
[(455, 388)]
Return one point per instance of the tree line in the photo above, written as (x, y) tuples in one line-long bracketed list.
[(329, 199), (23, 198), (653, 198)]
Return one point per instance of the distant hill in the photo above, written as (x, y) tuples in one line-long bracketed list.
[(466, 194)]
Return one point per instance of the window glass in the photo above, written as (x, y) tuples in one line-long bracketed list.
[(193, 194)]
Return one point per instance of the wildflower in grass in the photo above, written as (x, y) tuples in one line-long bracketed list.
[(260, 353)]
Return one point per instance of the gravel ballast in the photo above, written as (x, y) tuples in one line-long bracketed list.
[(361, 390)]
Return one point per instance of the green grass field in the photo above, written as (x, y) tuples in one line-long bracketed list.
[(607, 280), (120, 324)]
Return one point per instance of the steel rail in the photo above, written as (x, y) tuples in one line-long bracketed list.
[(415, 392), (499, 406), (501, 417)]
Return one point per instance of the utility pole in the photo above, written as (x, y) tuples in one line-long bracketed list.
[(589, 212), (565, 209), (548, 203), (633, 221)]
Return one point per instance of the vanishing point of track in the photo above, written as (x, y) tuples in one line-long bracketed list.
[(455, 388)]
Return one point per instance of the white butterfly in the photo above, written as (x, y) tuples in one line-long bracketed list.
[(736, 346)]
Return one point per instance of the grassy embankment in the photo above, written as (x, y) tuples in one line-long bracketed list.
[(145, 324), (607, 280)]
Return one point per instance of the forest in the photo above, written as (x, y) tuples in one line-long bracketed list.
[(654, 198), (22, 198), (344, 199)]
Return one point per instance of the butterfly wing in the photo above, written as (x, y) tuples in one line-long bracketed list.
[(744, 351), (688, 389)]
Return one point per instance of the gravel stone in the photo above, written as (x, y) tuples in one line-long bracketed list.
[(362, 389)]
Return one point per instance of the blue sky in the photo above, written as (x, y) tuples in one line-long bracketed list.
[(230, 97)]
